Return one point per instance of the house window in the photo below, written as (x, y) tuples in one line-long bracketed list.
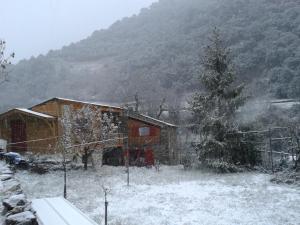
[(144, 131)]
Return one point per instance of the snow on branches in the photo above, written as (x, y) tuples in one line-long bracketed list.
[(214, 109), (4, 61), (87, 131)]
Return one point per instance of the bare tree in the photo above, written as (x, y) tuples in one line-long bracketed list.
[(4, 61), (161, 108), (137, 102), (88, 131)]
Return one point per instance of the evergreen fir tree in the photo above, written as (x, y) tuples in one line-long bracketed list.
[(214, 108)]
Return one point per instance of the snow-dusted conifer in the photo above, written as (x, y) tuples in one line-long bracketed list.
[(214, 108)]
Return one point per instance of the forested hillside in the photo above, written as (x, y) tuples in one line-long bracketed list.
[(157, 53)]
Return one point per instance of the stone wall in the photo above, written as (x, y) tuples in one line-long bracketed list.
[(16, 208)]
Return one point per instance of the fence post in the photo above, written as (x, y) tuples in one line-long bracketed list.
[(298, 147), (271, 150), (106, 205), (292, 134), (65, 181), (64, 168), (127, 166), (127, 147)]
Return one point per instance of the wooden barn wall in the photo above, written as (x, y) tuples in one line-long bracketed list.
[(56, 108), (5, 126), (50, 108), (80, 105), (41, 129), (162, 140), (36, 128), (164, 150), (135, 140), (172, 145), (5, 130)]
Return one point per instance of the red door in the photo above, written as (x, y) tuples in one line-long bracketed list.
[(149, 157), (18, 135)]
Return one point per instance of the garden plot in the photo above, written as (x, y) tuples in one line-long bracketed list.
[(171, 196)]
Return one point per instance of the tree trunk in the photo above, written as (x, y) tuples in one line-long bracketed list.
[(85, 161), (93, 160)]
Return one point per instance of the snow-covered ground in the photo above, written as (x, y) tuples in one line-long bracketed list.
[(172, 196)]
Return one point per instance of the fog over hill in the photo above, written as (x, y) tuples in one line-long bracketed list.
[(157, 54)]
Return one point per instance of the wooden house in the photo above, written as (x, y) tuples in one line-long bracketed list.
[(150, 139), (37, 130), (20, 125)]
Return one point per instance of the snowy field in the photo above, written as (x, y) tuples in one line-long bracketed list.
[(172, 196)]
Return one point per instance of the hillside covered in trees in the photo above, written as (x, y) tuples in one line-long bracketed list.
[(157, 54)]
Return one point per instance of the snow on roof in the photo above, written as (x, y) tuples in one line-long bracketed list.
[(84, 102), (285, 103), (35, 113), (54, 211), (140, 117), (284, 100), (160, 121)]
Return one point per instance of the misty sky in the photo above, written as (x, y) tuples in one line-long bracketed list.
[(32, 27)]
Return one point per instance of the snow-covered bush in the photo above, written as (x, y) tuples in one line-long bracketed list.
[(222, 167)]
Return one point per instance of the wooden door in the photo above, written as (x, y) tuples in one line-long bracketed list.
[(18, 135), (149, 157)]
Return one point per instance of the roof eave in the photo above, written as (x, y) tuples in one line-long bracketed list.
[(16, 110), (76, 101), (153, 121)]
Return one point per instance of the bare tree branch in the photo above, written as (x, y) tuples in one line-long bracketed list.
[(4, 62), (137, 102), (161, 108)]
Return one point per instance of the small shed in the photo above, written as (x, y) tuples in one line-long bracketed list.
[(22, 127), (150, 139)]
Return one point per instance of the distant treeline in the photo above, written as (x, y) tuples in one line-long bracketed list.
[(157, 54)]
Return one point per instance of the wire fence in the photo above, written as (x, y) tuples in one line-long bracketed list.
[(275, 145)]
